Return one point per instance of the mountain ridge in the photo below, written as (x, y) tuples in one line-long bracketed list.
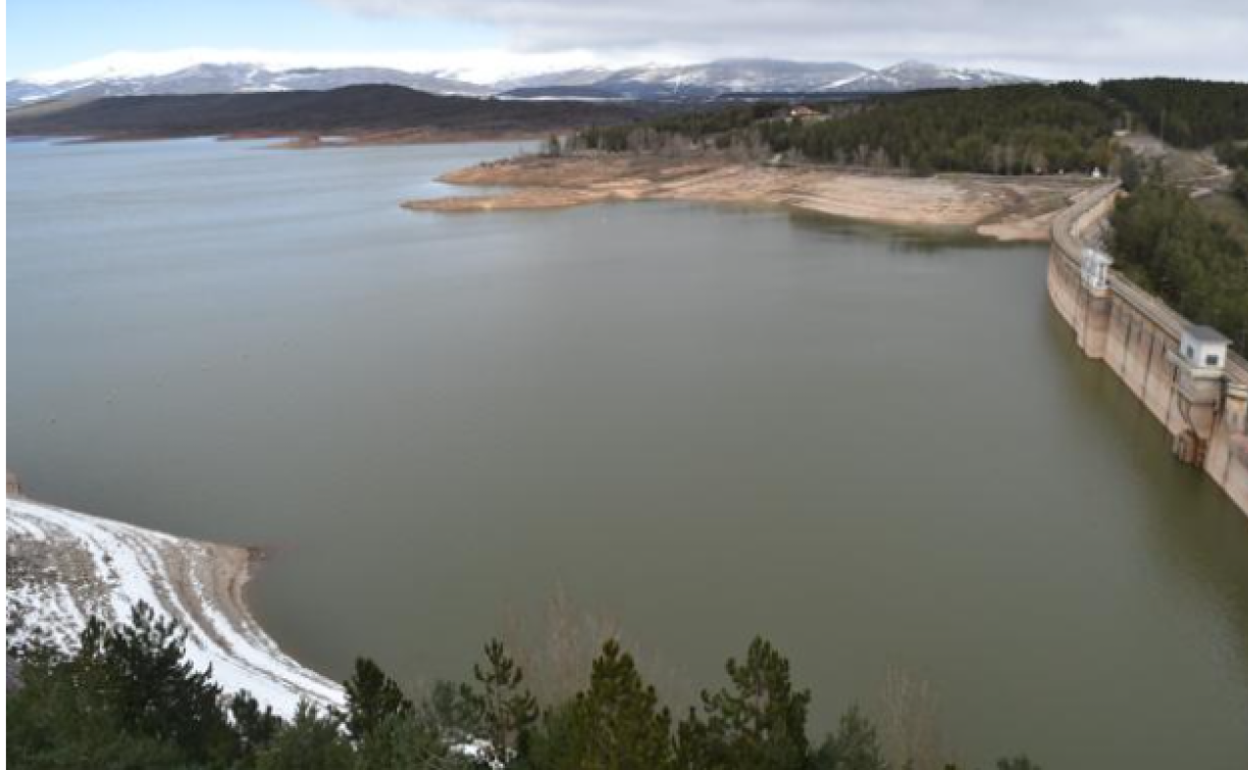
[(644, 82), (379, 112)]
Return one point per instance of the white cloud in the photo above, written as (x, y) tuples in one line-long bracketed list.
[(1087, 39), (475, 66), (1056, 38)]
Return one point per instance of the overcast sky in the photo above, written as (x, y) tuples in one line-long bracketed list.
[(1086, 39)]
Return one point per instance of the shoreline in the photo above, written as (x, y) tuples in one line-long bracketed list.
[(1004, 208), (64, 566)]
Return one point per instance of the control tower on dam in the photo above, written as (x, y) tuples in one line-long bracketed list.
[(1184, 373)]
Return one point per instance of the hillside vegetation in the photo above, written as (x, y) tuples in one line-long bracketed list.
[(1174, 248), (1009, 130)]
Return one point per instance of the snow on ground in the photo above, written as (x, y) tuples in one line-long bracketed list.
[(65, 566)]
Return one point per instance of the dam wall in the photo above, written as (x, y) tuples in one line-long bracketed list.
[(1141, 340)]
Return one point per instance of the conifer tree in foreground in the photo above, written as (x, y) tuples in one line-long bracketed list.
[(756, 723), (409, 742), (617, 724), (130, 698), (256, 726), (312, 741), (508, 710), (371, 697), (127, 697), (155, 687), (854, 746)]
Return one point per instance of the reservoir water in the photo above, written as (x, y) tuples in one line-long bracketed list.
[(880, 449)]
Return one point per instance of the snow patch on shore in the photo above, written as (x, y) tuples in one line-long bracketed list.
[(65, 566)]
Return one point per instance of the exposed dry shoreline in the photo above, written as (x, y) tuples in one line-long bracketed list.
[(1004, 208), (64, 566)]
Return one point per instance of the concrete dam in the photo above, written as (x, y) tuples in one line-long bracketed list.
[(1182, 372)]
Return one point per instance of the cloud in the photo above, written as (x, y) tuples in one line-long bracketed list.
[(1055, 38), (482, 65)]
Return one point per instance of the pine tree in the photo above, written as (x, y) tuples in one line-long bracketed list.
[(153, 688), (371, 697), (696, 747), (854, 746), (128, 697), (617, 723), (409, 742), (61, 718), (454, 710), (255, 726), (508, 710), (311, 742), (757, 723)]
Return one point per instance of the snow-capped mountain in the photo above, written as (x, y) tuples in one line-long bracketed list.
[(745, 75), (234, 78), (918, 76), (711, 79), (582, 76), (656, 81)]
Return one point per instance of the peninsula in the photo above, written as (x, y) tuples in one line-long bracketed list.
[(1005, 208)]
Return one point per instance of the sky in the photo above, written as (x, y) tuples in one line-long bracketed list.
[(1088, 39)]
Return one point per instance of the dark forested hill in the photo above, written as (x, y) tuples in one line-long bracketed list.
[(355, 109), (1187, 113), (1006, 130), (1025, 129), (1016, 129)]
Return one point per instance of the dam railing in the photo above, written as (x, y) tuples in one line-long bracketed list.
[(1069, 226)]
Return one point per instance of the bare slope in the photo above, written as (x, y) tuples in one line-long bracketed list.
[(64, 567)]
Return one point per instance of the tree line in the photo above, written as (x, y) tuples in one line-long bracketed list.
[(1024, 129), (1010, 130), (129, 698), (1027, 129), (1185, 113)]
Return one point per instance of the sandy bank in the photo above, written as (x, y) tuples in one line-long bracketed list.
[(1004, 208), (64, 566)]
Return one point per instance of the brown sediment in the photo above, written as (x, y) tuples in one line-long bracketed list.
[(999, 207)]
